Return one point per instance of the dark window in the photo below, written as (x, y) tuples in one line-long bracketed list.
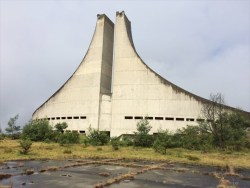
[(63, 117), (189, 119), (138, 117), (76, 117), (149, 118), (57, 117), (53, 118), (158, 118), (179, 119), (200, 120), (48, 118), (169, 118), (83, 117), (69, 117), (82, 132), (128, 117)]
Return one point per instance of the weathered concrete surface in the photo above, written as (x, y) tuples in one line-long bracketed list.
[(89, 173), (137, 91), (77, 102)]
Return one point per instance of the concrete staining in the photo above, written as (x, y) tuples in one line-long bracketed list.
[(86, 99)]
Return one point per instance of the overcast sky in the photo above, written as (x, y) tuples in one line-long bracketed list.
[(201, 46)]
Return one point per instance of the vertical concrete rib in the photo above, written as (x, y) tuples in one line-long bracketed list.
[(80, 95)]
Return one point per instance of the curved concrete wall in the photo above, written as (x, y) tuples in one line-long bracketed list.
[(140, 92), (137, 91), (77, 102)]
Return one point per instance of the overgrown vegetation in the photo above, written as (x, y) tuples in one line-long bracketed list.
[(96, 137), (69, 138), (115, 142), (227, 129), (25, 145), (142, 138), (13, 130), (38, 130)]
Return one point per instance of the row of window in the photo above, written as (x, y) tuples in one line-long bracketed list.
[(165, 118), (80, 131), (68, 117), (131, 117)]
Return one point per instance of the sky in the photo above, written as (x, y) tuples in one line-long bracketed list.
[(201, 46)]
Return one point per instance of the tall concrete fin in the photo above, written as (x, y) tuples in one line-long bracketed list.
[(138, 91), (77, 102)]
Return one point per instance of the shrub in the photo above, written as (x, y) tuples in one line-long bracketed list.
[(115, 143), (38, 130), (13, 130), (142, 137), (25, 145), (163, 141), (127, 140), (85, 142), (97, 138), (61, 126), (69, 138), (2, 136)]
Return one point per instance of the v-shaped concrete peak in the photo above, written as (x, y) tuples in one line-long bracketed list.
[(79, 98), (137, 91)]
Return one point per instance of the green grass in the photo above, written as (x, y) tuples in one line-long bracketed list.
[(9, 150)]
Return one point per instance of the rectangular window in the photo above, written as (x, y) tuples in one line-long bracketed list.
[(138, 117), (83, 117), (189, 119), (200, 120), (82, 132), (128, 117), (179, 119), (149, 118), (53, 118), (69, 117), (169, 118), (48, 118), (63, 117), (158, 118), (57, 117), (76, 117)]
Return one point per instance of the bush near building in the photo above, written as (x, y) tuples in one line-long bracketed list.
[(96, 137), (38, 130), (142, 138)]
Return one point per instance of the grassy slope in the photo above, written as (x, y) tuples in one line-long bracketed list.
[(9, 150)]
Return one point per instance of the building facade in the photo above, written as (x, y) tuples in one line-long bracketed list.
[(112, 89)]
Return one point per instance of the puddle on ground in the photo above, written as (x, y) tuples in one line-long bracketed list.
[(88, 173)]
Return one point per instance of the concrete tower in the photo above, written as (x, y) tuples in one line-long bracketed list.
[(78, 101), (137, 91)]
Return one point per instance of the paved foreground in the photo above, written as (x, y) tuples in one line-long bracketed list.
[(117, 173)]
